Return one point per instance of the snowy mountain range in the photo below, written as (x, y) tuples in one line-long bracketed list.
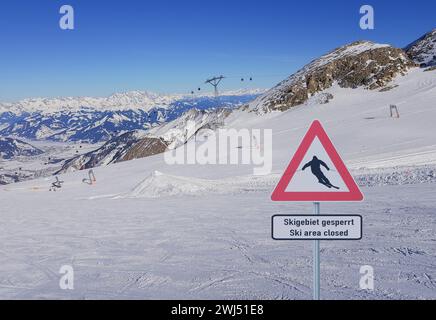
[(119, 101), (132, 100), (100, 119)]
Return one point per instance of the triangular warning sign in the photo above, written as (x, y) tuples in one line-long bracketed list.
[(317, 172)]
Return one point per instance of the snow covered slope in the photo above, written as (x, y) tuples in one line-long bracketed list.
[(360, 122)]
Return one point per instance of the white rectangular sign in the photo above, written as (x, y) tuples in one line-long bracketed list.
[(317, 227)]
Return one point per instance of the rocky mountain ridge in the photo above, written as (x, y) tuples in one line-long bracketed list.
[(423, 50), (359, 64)]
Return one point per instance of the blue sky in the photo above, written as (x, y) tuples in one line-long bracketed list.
[(173, 46)]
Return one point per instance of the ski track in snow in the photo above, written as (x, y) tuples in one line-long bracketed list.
[(203, 248)]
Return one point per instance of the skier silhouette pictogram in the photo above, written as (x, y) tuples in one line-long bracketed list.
[(315, 166)]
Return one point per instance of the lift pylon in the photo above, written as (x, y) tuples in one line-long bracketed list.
[(215, 81)]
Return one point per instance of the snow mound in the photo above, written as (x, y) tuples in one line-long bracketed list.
[(159, 185)]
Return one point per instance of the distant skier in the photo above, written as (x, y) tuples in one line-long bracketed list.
[(315, 166), (56, 185), (91, 180)]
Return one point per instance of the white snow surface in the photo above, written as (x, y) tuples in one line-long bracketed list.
[(159, 185), (203, 232)]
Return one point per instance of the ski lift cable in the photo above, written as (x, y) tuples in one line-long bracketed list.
[(254, 76), (198, 88), (242, 78)]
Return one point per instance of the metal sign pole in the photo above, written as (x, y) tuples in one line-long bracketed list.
[(316, 262)]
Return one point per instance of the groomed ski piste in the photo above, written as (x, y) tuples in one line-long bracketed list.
[(148, 230)]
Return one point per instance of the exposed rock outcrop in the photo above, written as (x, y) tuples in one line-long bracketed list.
[(145, 147), (360, 64)]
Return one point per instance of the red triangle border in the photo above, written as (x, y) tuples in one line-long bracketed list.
[(316, 130)]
